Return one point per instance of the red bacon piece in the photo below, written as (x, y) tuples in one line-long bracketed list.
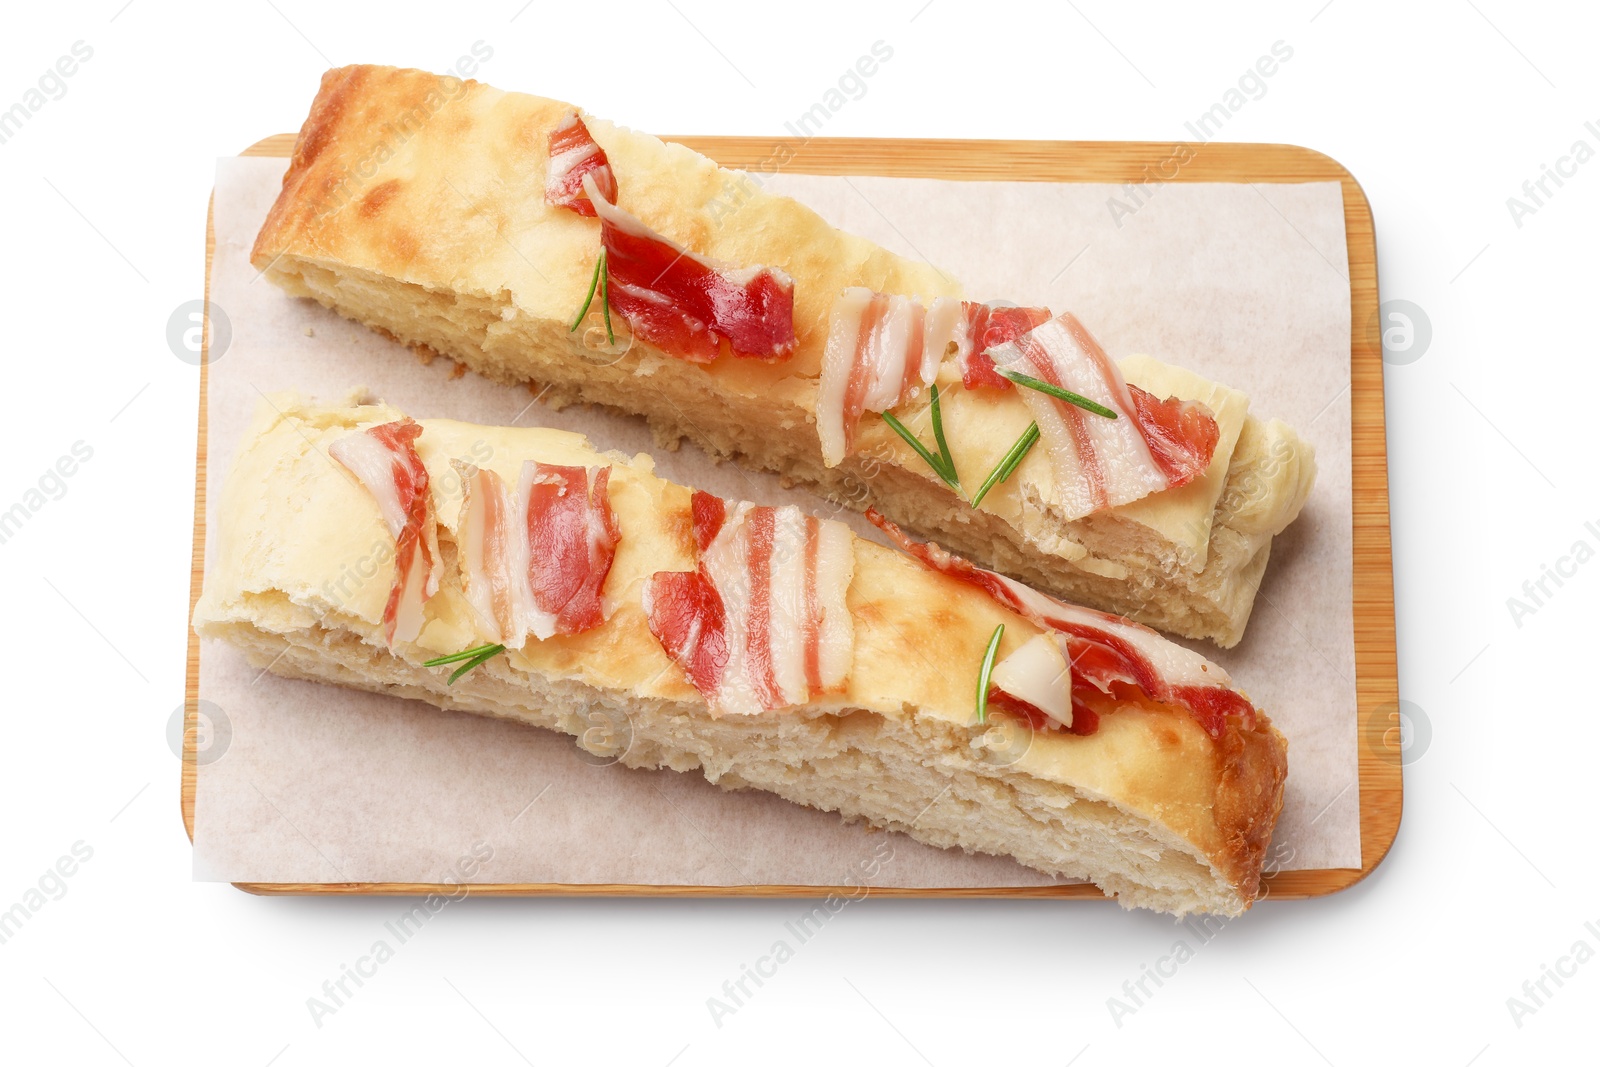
[(1085, 720), (1212, 706), (574, 155), (1104, 649), (759, 669), (861, 369), (384, 459), (572, 541), (987, 328), (708, 512), (771, 585), (686, 615), (687, 305), (811, 628), (1182, 435)]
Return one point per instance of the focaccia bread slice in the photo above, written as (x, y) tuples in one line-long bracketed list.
[(1163, 806), (418, 205)]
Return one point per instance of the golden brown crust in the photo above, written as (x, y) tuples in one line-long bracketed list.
[(1251, 766), (306, 187)]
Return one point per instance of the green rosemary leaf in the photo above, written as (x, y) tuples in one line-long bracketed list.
[(605, 296), (593, 282), (488, 653), (938, 437), (1056, 391), (985, 670), (936, 462), (468, 658), (1008, 463), (457, 657)]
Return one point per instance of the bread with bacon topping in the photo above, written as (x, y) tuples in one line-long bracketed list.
[(418, 205), (1165, 805)]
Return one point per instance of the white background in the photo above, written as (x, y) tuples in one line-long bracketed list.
[(1442, 111)]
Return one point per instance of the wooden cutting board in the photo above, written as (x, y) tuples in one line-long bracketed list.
[(1377, 688)]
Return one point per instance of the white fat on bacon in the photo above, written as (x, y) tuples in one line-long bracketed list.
[(570, 151), (1039, 674), (574, 157), (1098, 462), (966, 330), (882, 350), (1176, 665), (384, 460), (782, 578), (945, 325), (493, 548)]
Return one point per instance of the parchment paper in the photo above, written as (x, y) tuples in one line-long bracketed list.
[(1245, 284)]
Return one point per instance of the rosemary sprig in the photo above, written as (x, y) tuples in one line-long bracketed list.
[(457, 657), (1008, 463), (601, 281), (1056, 391), (468, 658), (605, 297), (594, 283), (943, 464), (985, 670), (938, 433)]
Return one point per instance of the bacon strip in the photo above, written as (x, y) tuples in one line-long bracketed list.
[(686, 615), (1181, 434), (983, 328), (688, 305), (574, 155), (762, 623), (1099, 462), (882, 349), (762, 529), (811, 615), (493, 553), (1104, 649), (535, 561), (572, 541), (707, 512), (384, 459)]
